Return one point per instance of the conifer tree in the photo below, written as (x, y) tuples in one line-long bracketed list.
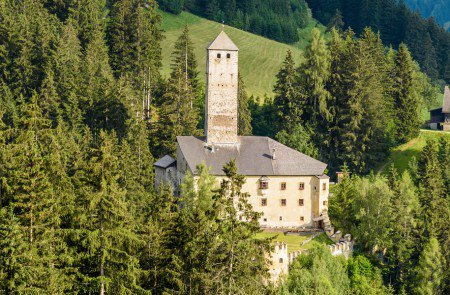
[(406, 100), (313, 75), (287, 101), (67, 74), (405, 230), (239, 257), (244, 115), (179, 112), (183, 55), (429, 269), (432, 193), (111, 242)]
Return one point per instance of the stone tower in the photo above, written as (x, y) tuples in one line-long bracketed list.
[(221, 108)]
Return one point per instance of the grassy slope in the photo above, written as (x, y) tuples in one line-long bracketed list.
[(402, 154), (259, 58), (294, 242)]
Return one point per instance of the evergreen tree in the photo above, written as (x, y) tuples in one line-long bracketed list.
[(336, 21), (238, 257), (299, 139), (405, 230), (110, 242), (429, 269), (406, 99), (287, 101), (432, 193), (244, 115), (313, 75), (179, 113)]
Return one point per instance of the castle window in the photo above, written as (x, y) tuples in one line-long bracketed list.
[(263, 202), (302, 218), (281, 260), (283, 186), (283, 202), (301, 186), (324, 186), (228, 55), (219, 55), (265, 219), (301, 202), (281, 218), (264, 183), (325, 203)]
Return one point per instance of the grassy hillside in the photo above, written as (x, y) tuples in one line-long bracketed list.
[(259, 58), (402, 154)]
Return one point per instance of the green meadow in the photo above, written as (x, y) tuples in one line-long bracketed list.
[(259, 58)]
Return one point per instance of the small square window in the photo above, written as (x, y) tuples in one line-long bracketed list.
[(281, 260), (301, 202), (325, 203), (219, 55), (301, 186), (265, 219), (283, 202), (302, 218), (283, 186), (228, 55), (263, 202), (324, 186), (281, 218)]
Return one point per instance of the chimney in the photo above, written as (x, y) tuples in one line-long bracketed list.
[(273, 154)]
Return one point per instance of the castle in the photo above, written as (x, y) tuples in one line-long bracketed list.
[(288, 187)]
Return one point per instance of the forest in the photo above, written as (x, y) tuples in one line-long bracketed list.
[(84, 113)]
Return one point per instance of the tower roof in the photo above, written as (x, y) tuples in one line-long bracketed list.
[(222, 42), (446, 105)]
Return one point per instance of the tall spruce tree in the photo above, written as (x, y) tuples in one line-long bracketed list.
[(287, 101), (406, 100), (244, 115), (430, 269)]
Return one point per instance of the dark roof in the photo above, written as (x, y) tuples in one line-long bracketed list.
[(253, 155), (446, 105), (165, 162), (222, 42)]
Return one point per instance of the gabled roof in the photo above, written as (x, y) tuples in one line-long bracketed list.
[(222, 42), (165, 162), (253, 155), (446, 105)]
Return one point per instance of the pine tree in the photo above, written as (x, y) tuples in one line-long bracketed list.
[(429, 269), (405, 230), (179, 112), (239, 257), (288, 102), (67, 75), (406, 99), (313, 75), (431, 184), (336, 21), (244, 115), (111, 243)]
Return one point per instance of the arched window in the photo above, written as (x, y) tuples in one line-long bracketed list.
[(228, 55), (219, 55)]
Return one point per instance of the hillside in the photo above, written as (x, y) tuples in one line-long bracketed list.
[(439, 9), (259, 58), (401, 155)]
